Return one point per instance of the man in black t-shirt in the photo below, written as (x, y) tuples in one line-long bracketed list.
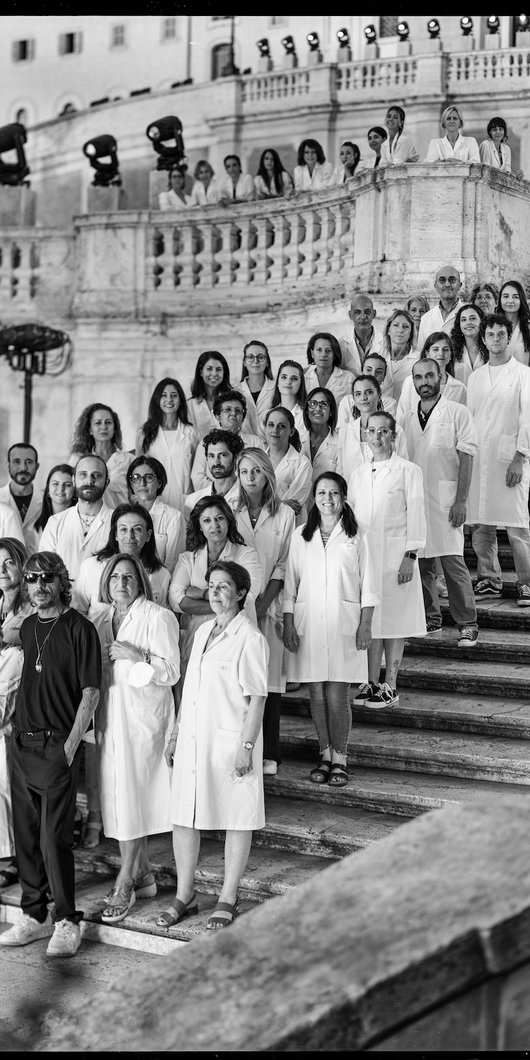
[(58, 694)]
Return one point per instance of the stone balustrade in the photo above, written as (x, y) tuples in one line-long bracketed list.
[(505, 70), (37, 274)]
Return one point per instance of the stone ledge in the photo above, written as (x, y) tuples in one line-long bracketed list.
[(372, 942)]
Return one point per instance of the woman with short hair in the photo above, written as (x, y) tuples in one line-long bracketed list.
[(486, 296), (168, 435), (205, 190), (417, 305), (98, 431), (324, 357), (495, 151), (398, 348), (453, 147), (312, 172)]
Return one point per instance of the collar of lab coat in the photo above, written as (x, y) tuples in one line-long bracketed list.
[(231, 630)]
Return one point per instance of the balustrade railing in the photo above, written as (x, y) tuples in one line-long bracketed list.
[(35, 269), (280, 85), (375, 77), (509, 68)]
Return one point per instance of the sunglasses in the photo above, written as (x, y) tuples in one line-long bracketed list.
[(41, 576)]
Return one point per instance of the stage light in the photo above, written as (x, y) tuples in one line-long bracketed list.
[(107, 172), (370, 34), (433, 27), (466, 25), (13, 138), (165, 135), (522, 23), (493, 23), (313, 41), (343, 38), (264, 48), (403, 30), (289, 45)]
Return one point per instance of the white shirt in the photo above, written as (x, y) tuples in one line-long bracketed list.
[(489, 156), (452, 389), (321, 177), (201, 196), (169, 200), (398, 152), (63, 534), (441, 150), (244, 189), (28, 533)]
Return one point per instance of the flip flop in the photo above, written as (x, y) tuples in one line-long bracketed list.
[(177, 911), (222, 916)]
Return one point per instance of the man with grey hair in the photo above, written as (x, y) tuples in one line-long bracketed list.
[(441, 317)]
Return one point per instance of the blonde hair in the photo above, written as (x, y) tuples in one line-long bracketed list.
[(448, 111), (270, 494)]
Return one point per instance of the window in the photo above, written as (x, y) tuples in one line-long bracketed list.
[(23, 51), (69, 43), (169, 28), (221, 58), (389, 24), (117, 36)]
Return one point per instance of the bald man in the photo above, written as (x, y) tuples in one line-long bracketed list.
[(441, 317), (364, 338)]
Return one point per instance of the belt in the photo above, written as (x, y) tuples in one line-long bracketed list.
[(38, 732)]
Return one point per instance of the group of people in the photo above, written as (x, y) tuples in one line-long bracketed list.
[(391, 146), (295, 526)]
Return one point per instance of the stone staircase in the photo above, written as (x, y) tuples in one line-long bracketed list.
[(459, 734)]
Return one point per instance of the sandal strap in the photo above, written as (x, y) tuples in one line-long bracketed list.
[(220, 909)]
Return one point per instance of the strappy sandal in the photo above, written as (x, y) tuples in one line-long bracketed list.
[(177, 911), (120, 902), (92, 835), (144, 887), (222, 916), (320, 774), (339, 775)]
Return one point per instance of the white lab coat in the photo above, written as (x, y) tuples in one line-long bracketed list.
[(244, 189), (133, 724), (63, 534), (463, 368), (501, 411), (347, 407), (401, 371), (449, 431), (219, 681), (27, 532), (201, 417), (352, 360), (169, 200), (199, 474), (270, 537), (441, 150), (321, 177), (85, 595), (353, 451), (326, 456), (389, 509), (452, 389), (399, 152), (325, 589), (208, 491), (433, 320), (117, 491), (175, 451), (340, 381), (294, 476), (517, 347), (201, 196), (170, 532), (489, 156), (11, 663), (256, 411)]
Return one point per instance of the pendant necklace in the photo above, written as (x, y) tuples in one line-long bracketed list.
[(41, 647)]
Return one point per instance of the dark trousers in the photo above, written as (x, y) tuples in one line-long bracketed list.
[(43, 790), (271, 727), (461, 597)]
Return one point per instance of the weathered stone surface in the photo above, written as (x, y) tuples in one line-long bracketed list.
[(372, 942)]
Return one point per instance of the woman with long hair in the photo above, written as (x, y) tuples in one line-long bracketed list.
[(205, 190), (257, 385), (514, 304), (98, 431), (398, 147), (324, 357), (495, 151), (59, 494), (290, 392), (439, 347), (168, 435), (175, 198), (312, 172), (469, 351), (377, 365), (212, 377), (272, 180), (349, 158), (320, 444), (417, 305), (354, 450), (292, 468), (376, 137), (328, 603), (398, 348)]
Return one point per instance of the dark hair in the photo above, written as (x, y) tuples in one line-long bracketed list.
[(175, 169), (49, 563), (364, 377), (294, 437), (388, 417), (379, 130), (229, 395), (217, 436), (91, 456), (495, 318), (434, 337), (386, 336), (195, 538), (484, 287), (268, 369), (112, 562), (82, 440), (238, 574), (18, 553), (154, 412), (22, 445), (148, 556), (198, 388), (278, 169), (523, 315), (356, 152), (457, 335), (334, 343), (333, 413), (499, 123), (314, 144), (375, 357), (349, 522), (157, 468), (431, 360), (302, 393), (401, 112), (47, 507), (236, 157)]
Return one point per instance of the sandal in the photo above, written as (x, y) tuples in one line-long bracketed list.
[(339, 775), (7, 878), (222, 916), (177, 911), (120, 902), (320, 774), (144, 887), (92, 835)]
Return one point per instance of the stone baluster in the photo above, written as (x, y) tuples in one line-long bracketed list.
[(265, 235), (278, 251), (244, 247), (228, 237), (294, 255), (307, 249), (184, 267)]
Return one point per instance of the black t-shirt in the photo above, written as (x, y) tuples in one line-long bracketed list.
[(71, 661)]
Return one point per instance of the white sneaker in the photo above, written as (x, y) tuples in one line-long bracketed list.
[(66, 939), (270, 767), (27, 929)]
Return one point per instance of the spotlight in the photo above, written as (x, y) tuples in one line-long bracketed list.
[(343, 38), (493, 23), (107, 172), (466, 25), (313, 41), (433, 27), (289, 45), (263, 48), (522, 23), (160, 133), (403, 31), (370, 34), (13, 138)]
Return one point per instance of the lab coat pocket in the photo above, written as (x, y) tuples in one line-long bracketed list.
[(350, 614), (442, 436), (225, 748), (300, 619), (506, 448), (446, 495)]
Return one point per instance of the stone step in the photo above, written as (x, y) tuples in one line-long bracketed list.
[(507, 680), (327, 829), (504, 645), (449, 753), (495, 613)]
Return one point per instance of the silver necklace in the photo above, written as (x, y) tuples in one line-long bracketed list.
[(41, 647)]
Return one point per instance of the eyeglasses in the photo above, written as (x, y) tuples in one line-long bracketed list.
[(448, 279), (313, 405), (379, 431), (255, 357), (41, 576), (136, 478)]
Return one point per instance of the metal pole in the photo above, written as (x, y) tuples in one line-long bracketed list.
[(28, 384)]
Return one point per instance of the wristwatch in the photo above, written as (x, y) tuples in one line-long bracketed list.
[(411, 555), (147, 656), (248, 745)]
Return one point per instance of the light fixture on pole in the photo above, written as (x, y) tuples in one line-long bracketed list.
[(493, 37), (35, 350), (371, 48), (403, 46), (165, 135), (344, 48), (291, 58), (522, 31), (265, 60), (433, 43), (315, 55), (466, 25), (13, 138), (433, 28), (102, 153)]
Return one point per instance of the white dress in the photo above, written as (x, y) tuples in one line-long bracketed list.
[(85, 595), (175, 451), (389, 508), (325, 589), (133, 724), (219, 680)]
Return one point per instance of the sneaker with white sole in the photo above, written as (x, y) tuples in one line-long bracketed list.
[(523, 595), (384, 696), (66, 939), (270, 767), (486, 588), (363, 693), (27, 929), (467, 637)]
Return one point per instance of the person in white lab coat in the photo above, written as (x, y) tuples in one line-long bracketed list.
[(290, 392), (363, 338), (221, 449), (235, 186), (168, 435), (20, 494), (212, 377), (398, 148), (354, 413), (292, 469), (140, 656), (81, 531), (399, 348), (328, 604), (59, 494), (388, 504), (469, 351), (377, 366), (417, 305), (442, 441), (312, 171), (216, 747), (441, 317), (324, 357), (453, 147), (266, 525), (230, 409), (321, 443), (146, 480), (496, 151), (257, 385), (175, 198), (499, 401), (514, 304), (440, 349), (98, 430), (205, 190)]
